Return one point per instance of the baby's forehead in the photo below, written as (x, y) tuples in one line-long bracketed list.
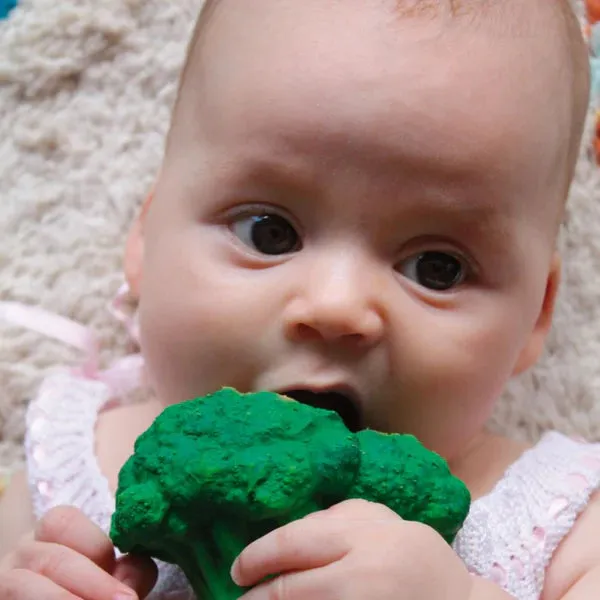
[(546, 26), (287, 35), (536, 27)]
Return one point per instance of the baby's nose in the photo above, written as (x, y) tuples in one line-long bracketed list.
[(337, 303)]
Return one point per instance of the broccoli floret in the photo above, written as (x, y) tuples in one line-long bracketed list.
[(213, 474)]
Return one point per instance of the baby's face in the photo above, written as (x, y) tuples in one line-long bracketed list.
[(358, 202)]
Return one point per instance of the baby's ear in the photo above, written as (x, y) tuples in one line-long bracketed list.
[(134, 250), (535, 344)]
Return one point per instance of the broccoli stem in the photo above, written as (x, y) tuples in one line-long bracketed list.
[(206, 564)]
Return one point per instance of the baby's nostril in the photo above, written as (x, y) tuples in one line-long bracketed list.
[(335, 401)]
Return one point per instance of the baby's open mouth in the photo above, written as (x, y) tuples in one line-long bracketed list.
[(339, 402)]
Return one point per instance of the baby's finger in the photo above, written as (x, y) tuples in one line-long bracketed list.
[(69, 570), (137, 572), (297, 546), (317, 540), (357, 509), (26, 585), (68, 526), (317, 583)]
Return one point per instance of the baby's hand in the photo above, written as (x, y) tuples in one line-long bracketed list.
[(69, 558), (354, 550)]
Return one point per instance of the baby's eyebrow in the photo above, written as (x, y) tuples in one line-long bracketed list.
[(433, 8), (418, 8)]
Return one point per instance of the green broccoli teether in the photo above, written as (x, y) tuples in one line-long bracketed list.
[(213, 474)]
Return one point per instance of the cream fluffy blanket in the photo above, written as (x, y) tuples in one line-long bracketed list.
[(85, 92)]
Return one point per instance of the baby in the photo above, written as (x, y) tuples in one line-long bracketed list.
[(359, 199)]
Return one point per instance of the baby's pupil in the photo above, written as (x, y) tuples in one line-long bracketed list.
[(272, 234), (438, 270)]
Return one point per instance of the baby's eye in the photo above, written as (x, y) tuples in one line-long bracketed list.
[(268, 233), (438, 271)]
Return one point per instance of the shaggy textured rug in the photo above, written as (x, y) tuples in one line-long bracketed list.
[(86, 88)]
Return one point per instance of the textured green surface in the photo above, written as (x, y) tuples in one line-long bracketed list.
[(212, 474)]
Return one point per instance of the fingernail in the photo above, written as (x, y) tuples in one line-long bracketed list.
[(233, 572), (125, 595)]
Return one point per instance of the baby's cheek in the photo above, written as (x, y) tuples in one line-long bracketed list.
[(195, 347), (457, 371)]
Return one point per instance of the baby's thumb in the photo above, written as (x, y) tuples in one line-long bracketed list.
[(137, 572)]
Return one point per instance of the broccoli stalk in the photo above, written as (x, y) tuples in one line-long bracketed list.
[(213, 474)]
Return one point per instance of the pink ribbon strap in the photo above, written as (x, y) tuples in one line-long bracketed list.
[(123, 313), (122, 376)]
